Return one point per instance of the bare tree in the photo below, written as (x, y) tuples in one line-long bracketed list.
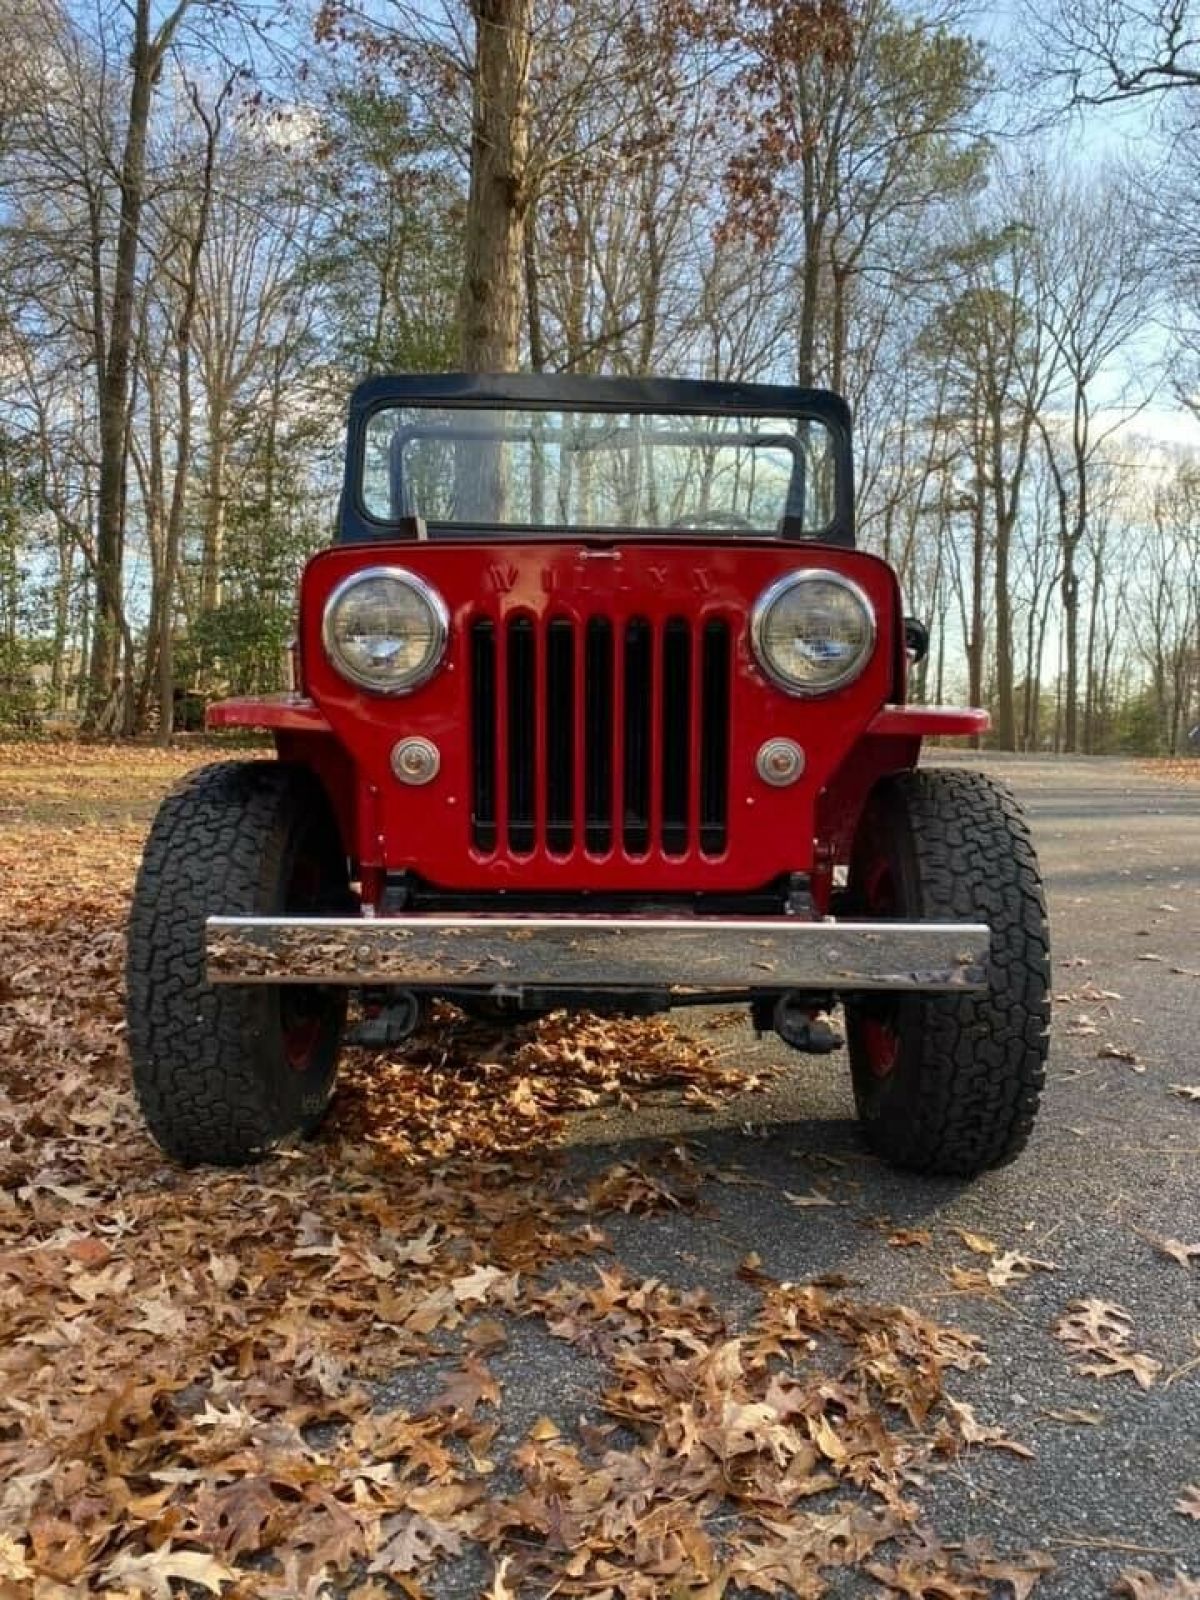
[(1098, 52), (1164, 603), (996, 340), (1094, 271), (855, 134), (146, 45)]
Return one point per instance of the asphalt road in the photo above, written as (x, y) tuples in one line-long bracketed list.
[(1113, 1164)]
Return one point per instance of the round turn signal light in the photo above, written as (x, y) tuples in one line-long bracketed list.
[(780, 762), (416, 761)]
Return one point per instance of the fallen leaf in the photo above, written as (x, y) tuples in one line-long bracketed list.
[(926, 1580), (1137, 1584), (1117, 1052), (13, 1564), (1177, 1250), (471, 1385), (1186, 1091), (479, 1283), (1013, 1267), (1099, 1334), (978, 1242), (970, 1280), (815, 1198), (1188, 1505), (1022, 1576), (155, 1571), (1074, 1416), (414, 1541), (498, 1589), (972, 1431)]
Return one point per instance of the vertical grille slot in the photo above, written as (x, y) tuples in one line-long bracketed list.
[(598, 735), (522, 734), (714, 739), (674, 734), (483, 735), (560, 735), (639, 670)]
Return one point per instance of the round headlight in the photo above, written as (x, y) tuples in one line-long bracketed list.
[(812, 632), (385, 629)]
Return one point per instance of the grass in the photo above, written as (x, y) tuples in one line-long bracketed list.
[(87, 785)]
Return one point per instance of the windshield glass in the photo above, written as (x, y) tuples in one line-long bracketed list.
[(462, 468)]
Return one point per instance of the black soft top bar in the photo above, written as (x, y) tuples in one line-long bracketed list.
[(583, 392)]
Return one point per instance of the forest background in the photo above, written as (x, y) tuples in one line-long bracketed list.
[(980, 224)]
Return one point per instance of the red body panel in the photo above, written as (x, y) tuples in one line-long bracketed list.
[(294, 713), (946, 721), (849, 738)]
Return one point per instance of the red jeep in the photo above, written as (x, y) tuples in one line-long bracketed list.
[(597, 704)]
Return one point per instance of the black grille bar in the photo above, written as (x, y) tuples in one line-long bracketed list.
[(675, 734), (714, 739), (522, 734), (483, 735), (560, 735), (639, 667), (598, 736)]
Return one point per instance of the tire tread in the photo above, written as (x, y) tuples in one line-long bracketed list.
[(198, 1050), (983, 1055)]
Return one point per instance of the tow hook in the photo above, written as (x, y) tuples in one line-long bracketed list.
[(386, 1021), (805, 1027)]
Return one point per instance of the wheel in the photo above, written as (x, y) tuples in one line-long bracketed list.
[(223, 1073), (950, 1083)]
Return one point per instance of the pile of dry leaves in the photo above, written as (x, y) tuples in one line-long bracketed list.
[(1174, 769), (193, 1365)]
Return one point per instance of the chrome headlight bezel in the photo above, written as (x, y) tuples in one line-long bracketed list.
[(771, 596), (439, 623)]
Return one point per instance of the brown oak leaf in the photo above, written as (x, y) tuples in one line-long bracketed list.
[(413, 1541), (978, 1242), (1177, 1250), (153, 1572), (1137, 1584), (467, 1387)]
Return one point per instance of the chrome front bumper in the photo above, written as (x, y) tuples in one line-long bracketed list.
[(681, 954)]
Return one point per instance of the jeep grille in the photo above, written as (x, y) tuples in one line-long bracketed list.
[(611, 728)]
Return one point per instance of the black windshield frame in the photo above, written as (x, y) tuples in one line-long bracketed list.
[(541, 391)]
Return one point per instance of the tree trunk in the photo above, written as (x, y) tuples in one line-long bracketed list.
[(213, 554), (1006, 721), (1090, 704), (490, 301), (1004, 500), (113, 381), (810, 290), (183, 445), (975, 644), (1070, 597), (62, 617), (145, 58), (533, 299)]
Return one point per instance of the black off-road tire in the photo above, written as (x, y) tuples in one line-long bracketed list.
[(966, 1071), (225, 1072)]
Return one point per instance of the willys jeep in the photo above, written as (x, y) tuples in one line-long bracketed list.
[(596, 705)]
